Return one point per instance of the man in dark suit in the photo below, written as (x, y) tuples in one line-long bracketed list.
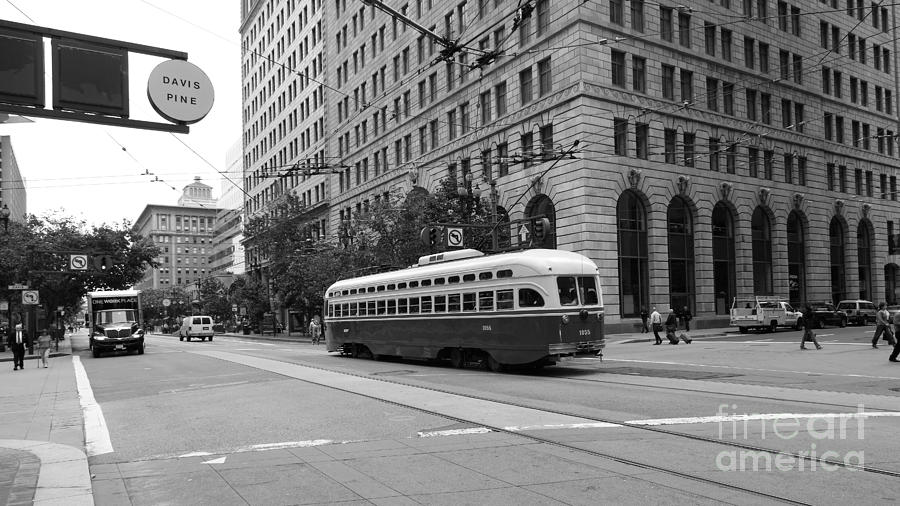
[(17, 340)]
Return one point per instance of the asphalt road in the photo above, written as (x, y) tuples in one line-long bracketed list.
[(743, 419)]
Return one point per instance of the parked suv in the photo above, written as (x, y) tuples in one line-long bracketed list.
[(860, 312), (824, 313), (196, 326)]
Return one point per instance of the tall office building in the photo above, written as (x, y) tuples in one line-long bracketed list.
[(227, 258), (12, 184), (184, 235), (696, 151)]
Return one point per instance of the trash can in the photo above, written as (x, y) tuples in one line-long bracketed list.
[(246, 331)]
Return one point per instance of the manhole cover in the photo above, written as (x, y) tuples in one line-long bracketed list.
[(393, 373), (667, 373)]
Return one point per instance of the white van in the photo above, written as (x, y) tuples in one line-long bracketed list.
[(196, 326)]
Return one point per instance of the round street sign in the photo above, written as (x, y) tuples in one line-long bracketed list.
[(180, 92), (166, 302)]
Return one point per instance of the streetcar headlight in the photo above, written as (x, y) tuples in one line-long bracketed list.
[(565, 319), (600, 317)]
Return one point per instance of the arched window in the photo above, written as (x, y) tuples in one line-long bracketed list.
[(796, 260), (891, 281), (681, 255), (838, 283), (864, 252), (543, 206), (762, 252), (723, 257), (634, 283)]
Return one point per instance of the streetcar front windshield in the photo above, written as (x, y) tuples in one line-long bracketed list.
[(573, 289)]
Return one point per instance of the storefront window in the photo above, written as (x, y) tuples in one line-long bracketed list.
[(838, 283), (864, 251), (723, 257), (796, 260)]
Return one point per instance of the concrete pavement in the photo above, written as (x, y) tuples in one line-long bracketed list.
[(42, 458)]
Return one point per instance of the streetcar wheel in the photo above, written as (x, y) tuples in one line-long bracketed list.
[(457, 359), (743, 330), (494, 365)]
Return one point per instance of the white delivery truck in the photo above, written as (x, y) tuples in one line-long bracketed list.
[(764, 313)]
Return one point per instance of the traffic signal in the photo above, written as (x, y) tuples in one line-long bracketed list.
[(540, 229), (102, 263), (429, 236)]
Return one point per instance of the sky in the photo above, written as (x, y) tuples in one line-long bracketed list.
[(99, 173)]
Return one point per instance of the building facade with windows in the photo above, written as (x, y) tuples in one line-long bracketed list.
[(12, 186), (184, 235), (227, 256), (694, 159)]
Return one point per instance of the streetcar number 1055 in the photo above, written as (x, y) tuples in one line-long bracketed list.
[(584, 332), (486, 328)]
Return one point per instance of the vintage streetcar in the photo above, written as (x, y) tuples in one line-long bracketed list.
[(525, 308)]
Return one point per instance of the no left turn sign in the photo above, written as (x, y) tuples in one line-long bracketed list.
[(454, 237), (78, 262)]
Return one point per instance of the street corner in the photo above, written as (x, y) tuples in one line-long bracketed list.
[(63, 478)]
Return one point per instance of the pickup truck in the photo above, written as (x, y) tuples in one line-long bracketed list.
[(765, 313)]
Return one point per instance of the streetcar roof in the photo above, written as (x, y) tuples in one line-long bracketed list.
[(532, 261)]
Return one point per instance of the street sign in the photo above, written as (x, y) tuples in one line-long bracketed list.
[(78, 262), (30, 297), (454, 237), (166, 302), (234, 308), (17, 286), (523, 233), (4, 305)]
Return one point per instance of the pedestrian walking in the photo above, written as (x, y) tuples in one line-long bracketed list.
[(896, 351), (882, 326), (17, 342), (656, 323), (808, 334), (672, 327), (644, 316), (44, 347), (686, 318), (315, 329)]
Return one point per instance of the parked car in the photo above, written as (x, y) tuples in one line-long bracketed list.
[(196, 326), (825, 313), (892, 311), (860, 312)]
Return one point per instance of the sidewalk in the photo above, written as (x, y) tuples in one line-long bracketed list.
[(41, 432)]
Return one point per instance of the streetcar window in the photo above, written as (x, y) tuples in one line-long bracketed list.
[(391, 306), (329, 310), (439, 281), (345, 311), (413, 305), (530, 298), (344, 292), (568, 296), (426, 304), (426, 282), (353, 291), (371, 305), (486, 301), (504, 299), (453, 303), (453, 279), (469, 277), (380, 288), (352, 309), (440, 303), (483, 276), (505, 273), (370, 289), (413, 284), (587, 287), (391, 286), (469, 301), (362, 309), (381, 307), (401, 286), (401, 306)]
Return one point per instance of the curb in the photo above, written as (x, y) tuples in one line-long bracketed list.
[(64, 477)]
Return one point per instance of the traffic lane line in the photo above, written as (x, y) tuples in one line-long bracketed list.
[(96, 433), (757, 369)]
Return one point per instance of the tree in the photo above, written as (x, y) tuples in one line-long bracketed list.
[(213, 300)]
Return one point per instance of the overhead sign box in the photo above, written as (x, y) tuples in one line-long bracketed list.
[(90, 78), (21, 68)]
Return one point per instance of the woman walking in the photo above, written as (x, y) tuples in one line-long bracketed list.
[(44, 347)]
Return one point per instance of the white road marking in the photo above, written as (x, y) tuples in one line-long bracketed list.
[(750, 368), (455, 432), (96, 433), (195, 454), (220, 460), (287, 444)]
